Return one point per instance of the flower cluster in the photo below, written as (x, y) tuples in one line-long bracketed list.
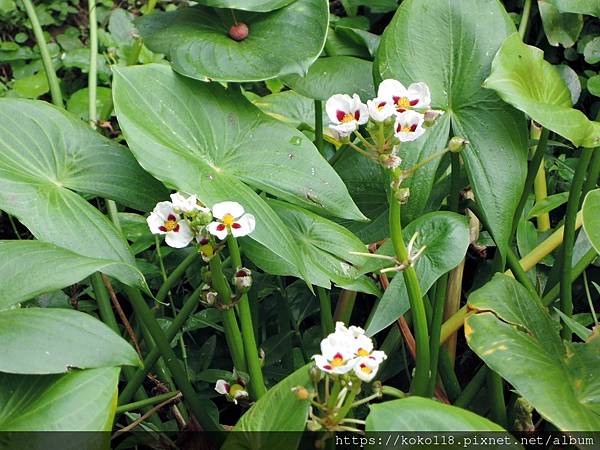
[(349, 351), (184, 219), (398, 114)]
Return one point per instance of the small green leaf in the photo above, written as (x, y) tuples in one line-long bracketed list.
[(590, 7), (290, 417), (29, 268), (522, 77), (335, 75), (289, 107), (196, 41), (591, 217), (591, 51), (593, 85), (84, 400), (513, 333), (582, 332), (46, 341), (446, 236), (560, 28), (33, 86), (548, 204), (78, 103)]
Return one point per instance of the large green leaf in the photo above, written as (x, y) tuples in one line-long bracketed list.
[(335, 75), (325, 247), (279, 410), (204, 139), (446, 236), (84, 400), (45, 154), (450, 45), (30, 268), (516, 337), (247, 5), (591, 217), (560, 28), (522, 77), (423, 414), (54, 340), (590, 7), (280, 42), (288, 107)]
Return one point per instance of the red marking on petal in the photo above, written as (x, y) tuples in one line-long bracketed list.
[(362, 366), (236, 225), (413, 102), (338, 356), (399, 128), (381, 104), (413, 127), (172, 217), (400, 110), (176, 229), (161, 228), (395, 98), (220, 227), (357, 114), (227, 387), (327, 367), (340, 115)]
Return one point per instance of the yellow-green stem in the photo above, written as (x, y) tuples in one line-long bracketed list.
[(539, 183)]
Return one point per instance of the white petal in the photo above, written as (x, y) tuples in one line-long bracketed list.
[(340, 328), (365, 371), (357, 331), (219, 210), (222, 387), (213, 229), (345, 128), (155, 221), (335, 103), (240, 394), (164, 209), (180, 238), (378, 356), (382, 113), (363, 343), (391, 88), (363, 112), (419, 91), (344, 368), (247, 224), (183, 203)]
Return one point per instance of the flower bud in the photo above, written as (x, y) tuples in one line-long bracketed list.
[(456, 144), (242, 280), (199, 219), (206, 274), (209, 297), (315, 374), (301, 392), (431, 116), (239, 31), (206, 248)]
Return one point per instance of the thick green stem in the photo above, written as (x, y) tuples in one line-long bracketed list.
[(257, 383), (349, 400), (319, 125), (178, 322), (233, 336), (532, 171), (446, 370), (175, 276), (566, 294), (523, 26), (144, 403), (593, 173), (454, 182), (345, 306), (540, 188), (421, 379), (515, 266), (578, 269), (53, 82), (191, 399), (472, 388), (92, 75), (436, 325), (496, 396), (326, 315)]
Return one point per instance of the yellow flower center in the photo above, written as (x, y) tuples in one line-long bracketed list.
[(337, 361), (406, 129), (348, 117), (366, 369), (362, 352), (403, 102), (228, 220), (170, 224)]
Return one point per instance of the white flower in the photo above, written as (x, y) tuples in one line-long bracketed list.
[(366, 370), (381, 109), (230, 217), (416, 96), (233, 392), (184, 204), (409, 126), (346, 113), (165, 220), (337, 355)]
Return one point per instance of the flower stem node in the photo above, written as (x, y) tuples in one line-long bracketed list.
[(242, 280), (402, 195), (389, 160), (456, 144)]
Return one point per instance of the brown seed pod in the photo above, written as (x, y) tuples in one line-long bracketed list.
[(239, 31)]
